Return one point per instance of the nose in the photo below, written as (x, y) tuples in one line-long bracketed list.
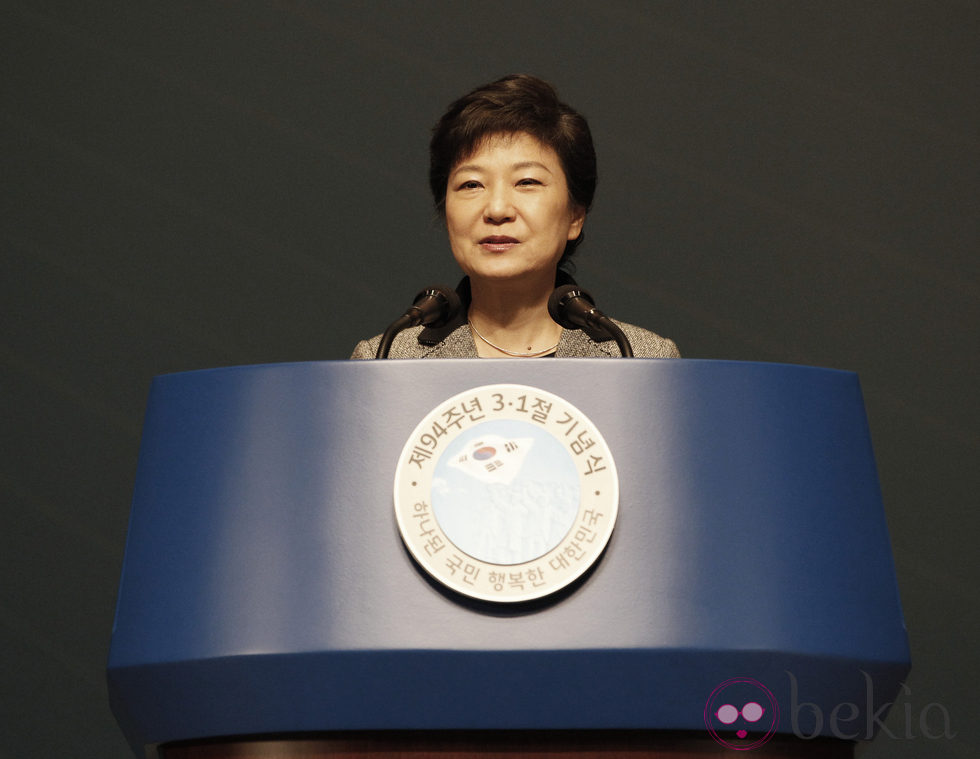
[(499, 208)]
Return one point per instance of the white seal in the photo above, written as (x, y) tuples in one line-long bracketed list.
[(506, 493)]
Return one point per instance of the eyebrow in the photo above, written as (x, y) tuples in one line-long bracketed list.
[(514, 167)]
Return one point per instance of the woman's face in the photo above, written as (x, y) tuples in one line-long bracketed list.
[(508, 211)]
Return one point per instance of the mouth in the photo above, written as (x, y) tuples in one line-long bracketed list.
[(498, 243)]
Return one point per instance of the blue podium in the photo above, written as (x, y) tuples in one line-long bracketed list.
[(266, 589)]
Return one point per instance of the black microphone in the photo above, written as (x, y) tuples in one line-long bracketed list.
[(573, 308), (433, 307)]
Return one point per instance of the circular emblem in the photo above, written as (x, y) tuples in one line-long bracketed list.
[(506, 493)]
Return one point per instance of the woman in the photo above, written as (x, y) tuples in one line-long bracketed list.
[(513, 173)]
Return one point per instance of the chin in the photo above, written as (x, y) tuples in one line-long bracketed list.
[(510, 271)]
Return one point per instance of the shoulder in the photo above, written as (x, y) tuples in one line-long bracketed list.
[(647, 344), (366, 348), (457, 344), (405, 345)]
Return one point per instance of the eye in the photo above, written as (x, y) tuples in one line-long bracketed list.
[(752, 712), (727, 714), (470, 184), (528, 182)]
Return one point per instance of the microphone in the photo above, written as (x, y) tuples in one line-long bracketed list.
[(574, 308), (433, 307)]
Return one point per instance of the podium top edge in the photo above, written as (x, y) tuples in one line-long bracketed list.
[(501, 361)]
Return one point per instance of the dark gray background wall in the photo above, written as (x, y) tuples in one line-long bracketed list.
[(196, 184)]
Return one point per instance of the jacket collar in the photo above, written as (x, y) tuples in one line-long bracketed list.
[(430, 336)]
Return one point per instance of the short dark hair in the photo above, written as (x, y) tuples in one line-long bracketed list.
[(516, 103)]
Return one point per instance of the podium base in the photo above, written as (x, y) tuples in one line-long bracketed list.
[(481, 744)]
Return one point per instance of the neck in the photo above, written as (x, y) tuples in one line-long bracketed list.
[(513, 318)]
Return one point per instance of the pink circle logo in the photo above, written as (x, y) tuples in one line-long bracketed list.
[(742, 710)]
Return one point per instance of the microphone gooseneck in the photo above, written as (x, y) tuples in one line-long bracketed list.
[(433, 307), (574, 308)]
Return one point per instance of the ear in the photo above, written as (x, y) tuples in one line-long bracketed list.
[(577, 222)]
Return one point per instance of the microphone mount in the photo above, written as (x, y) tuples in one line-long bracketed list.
[(433, 307), (574, 308)]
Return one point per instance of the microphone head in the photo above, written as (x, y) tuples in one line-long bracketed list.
[(438, 305), (561, 298)]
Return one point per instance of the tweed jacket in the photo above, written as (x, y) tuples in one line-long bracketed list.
[(455, 340), (459, 343)]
